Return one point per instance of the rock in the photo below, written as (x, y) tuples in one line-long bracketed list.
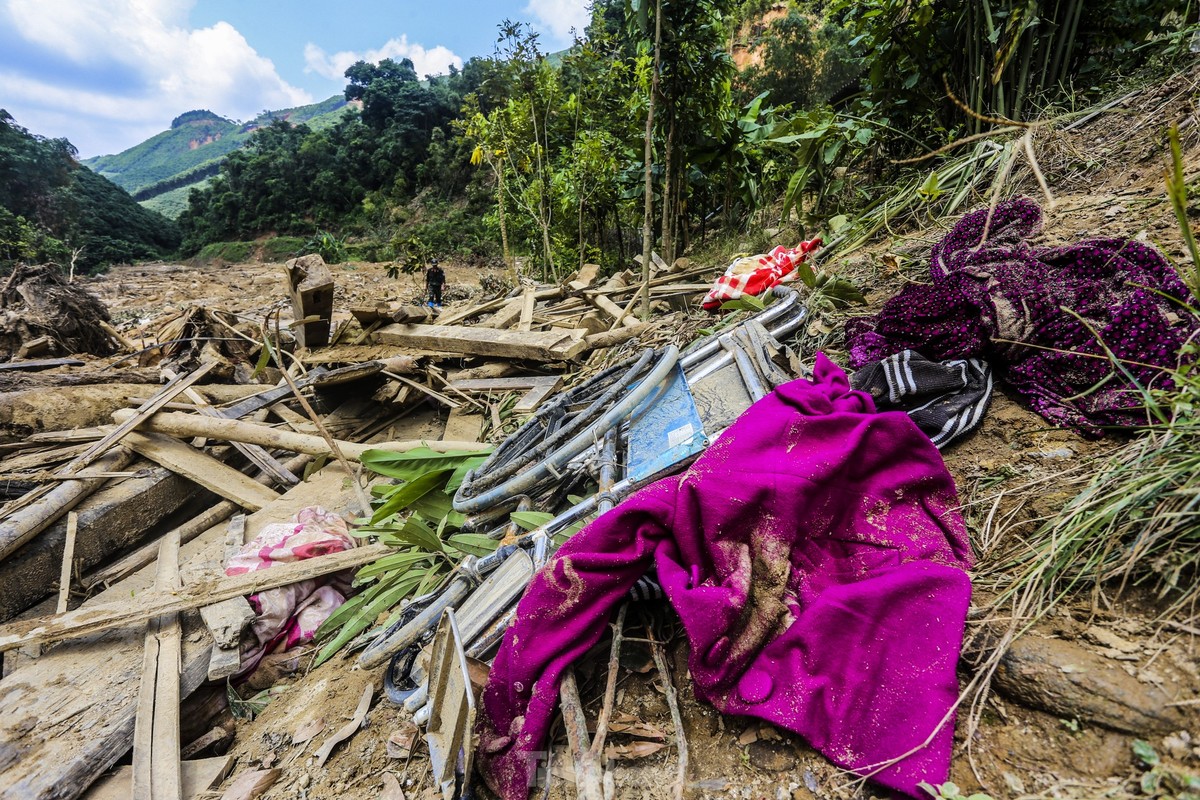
[(772, 756), (1072, 682), (1106, 638)]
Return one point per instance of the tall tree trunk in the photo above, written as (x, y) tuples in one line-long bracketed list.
[(508, 260), (648, 219), (669, 193)]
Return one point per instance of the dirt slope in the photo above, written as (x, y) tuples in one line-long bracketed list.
[(1107, 176)]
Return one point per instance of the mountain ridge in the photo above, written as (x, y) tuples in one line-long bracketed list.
[(160, 171)]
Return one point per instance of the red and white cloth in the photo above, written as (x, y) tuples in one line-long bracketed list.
[(756, 274), (290, 615)]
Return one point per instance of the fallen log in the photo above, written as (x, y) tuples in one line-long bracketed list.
[(97, 619), (613, 338), (189, 425), (21, 525), (613, 310), (536, 346), (1072, 682)]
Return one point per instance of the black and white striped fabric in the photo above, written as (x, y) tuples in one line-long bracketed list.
[(946, 399), (646, 588)]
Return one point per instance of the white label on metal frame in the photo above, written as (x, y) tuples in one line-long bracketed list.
[(681, 435)]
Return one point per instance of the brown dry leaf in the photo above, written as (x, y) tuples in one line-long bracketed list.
[(391, 788), (768, 733), (632, 726), (349, 729), (250, 785), (890, 263), (400, 744), (307, 731), (633, 750)]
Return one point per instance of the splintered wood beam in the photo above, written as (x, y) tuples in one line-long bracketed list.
[(530, 346), (189, 425), (201, 468), (96, 619), (536, 387), (156, 770)]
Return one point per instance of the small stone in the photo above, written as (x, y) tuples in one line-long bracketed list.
[(772, 756)]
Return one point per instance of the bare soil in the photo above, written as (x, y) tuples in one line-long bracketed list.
[(1107, 176)]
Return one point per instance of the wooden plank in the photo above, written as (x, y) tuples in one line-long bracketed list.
[(456, 317), (585, 277), (64, 580), (156, 770), (460, 425), (269, 397), (532, 346), (186, 425), (509, 313), (97, 619), (20, 524), (538, 394), (537, 389), (226, 620), (174, 387), (528, 303), (68, 718), (147, 553), (258, 456), (42, 363), (613, 310), (199, 776), (310, 286), (202, 468)]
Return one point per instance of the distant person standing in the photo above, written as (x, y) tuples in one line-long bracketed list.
[(435, 279)]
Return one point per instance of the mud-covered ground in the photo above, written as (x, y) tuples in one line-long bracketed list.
[(1107, 177)]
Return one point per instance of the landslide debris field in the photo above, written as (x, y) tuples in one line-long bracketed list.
[(1096, 694)]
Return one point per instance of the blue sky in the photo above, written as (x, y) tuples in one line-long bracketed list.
[(108, 74)]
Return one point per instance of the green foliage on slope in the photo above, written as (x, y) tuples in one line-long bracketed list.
[(194, 148), (54, 209)]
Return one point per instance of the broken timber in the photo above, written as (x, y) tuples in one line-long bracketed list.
[(97, 619), (311, 287), (536, 388), (67, 718), (201, 468), (531, 346), (179, 424)]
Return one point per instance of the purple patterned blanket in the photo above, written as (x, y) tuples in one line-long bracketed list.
[(1035, 313), (816, 558)]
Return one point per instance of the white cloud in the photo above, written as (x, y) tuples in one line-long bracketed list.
[(132, 65), (558, 17), (434, 61)]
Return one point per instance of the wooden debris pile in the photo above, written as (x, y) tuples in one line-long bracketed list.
[(41, 314), (131, 496)]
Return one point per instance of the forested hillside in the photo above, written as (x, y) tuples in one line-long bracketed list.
[(160, 171), (54, 209), (552, 159)]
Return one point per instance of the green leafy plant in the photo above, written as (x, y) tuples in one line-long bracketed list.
[(1160, 781), (327, 246), (412, 255), (950, 791), (414, 516)]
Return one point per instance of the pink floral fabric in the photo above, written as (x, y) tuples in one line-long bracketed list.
[(290, 615)]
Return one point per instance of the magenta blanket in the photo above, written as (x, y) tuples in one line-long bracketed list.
[(816, 558)]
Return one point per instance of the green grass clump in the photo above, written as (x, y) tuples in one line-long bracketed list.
[(231, 252)]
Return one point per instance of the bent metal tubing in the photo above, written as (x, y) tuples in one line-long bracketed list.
[(558, 460), (789, 300), (409, 630)]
